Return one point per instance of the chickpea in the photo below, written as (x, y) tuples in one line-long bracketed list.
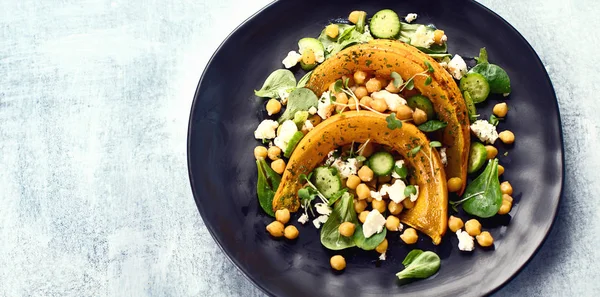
[(408, 204), (507, 198), (380, 205), (362, 217), (500, 170), (352, 182), (473, 227), (506, 188), (505, 207), (363, 191), (403, 112), (360, 77), (275, 229), (352, 103), (274, 152), (383, 81), (347, 229), (278, 166), (373, 85), (282, 215), (382, 247), (492, 151), (485, 239), (341, 97), (392, 89), (291, 232), (454, 184), (395, 208), (260, 152), (419, 116), (438, 37), (355, 16), (392, 223), (360, 205), (315, 119), (273, 106), (360, 92), (337, 262), (365, 173), (500, 109), (409, 236), (507, 136), (308, 57), (332, 30), (455, 224), (368, 149), (379, 105), (366, 101)]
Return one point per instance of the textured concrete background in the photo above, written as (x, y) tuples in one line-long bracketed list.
[(94, 103)]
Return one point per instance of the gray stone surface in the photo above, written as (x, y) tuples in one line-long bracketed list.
[(94, 103)]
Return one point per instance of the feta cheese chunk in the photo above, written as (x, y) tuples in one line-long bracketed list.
[(285, 134), (382, 257), (485, 131), (422, 37), (307, 126), (266, 129), (457, 67), (444, 156), (291, 59), (399, 164), (322, 209), (320, 220), (410, 17), (395, 191), (413, 197), (465, 241), (392, 100), (376, 195), (312, 110), (373, 224), (324, 106), (303, 219), (347, 168), (283, 96)]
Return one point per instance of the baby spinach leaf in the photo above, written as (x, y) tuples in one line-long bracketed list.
[(420, 265), (267, 184), (407, 32), (302, 82), (335, 197), (483, 197), (301, 99), (278, 80), (348, 36), (432, 125), (393, 122), (494, 74), (368, 244), (343, 211), (412, 255)]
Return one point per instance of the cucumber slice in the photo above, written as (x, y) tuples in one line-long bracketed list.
[(470, 106), (477, 86), (423, 103), (385, 24), (312, 43), (293, 143), (327, 180), (477, 157), (381, 163)]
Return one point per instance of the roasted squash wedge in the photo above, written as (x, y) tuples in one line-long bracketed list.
[(382, 57), (430, 212)]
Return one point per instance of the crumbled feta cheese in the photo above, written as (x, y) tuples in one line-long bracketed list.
[(505, 94), (312, 110), (444, 38), (465, 241), (266, 129), (399, 164), (303, 219), (346, 168), (320, 220), (285, 134), (307, 126), (444, 64), (392, 100), (410, 17), (382, 256), (485, 131), (395, 191), (457, 67), (373, 224), (413, 197), (422, 37), (324, 107), (322, 209), (291, 59), (283, 96), (444, 156), (376, 195), (330, 158)]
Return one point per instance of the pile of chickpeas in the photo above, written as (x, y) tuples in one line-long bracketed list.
[(278, 229)]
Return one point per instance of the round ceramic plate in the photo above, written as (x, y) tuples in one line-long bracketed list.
[(223, 171)]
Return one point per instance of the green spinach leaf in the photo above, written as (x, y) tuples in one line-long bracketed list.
[(368, 244), (494, 74), (483, 197), (343, 211), (348, 36), (266, 186), (301, 99), (278, 80), (432, 125), (420, 265), (303, 80)]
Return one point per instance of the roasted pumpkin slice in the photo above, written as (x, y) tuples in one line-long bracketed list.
[(382, 57), (430, 212)]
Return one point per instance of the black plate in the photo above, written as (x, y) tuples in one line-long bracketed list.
[(223, 173)]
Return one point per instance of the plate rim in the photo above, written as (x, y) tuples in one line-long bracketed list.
[(488, 291)]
